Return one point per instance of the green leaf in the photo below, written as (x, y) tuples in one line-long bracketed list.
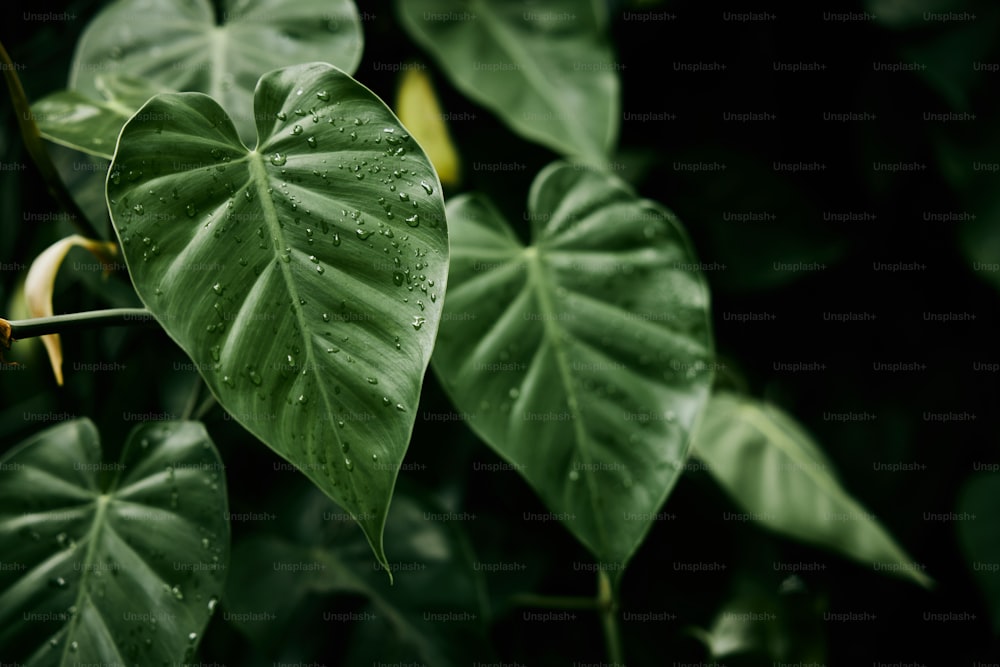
[(980, 537), (547, 70), (583, 359), (109, 573), (76, 121), (303, 277), (181, 46), (274, 581), (774, 470)]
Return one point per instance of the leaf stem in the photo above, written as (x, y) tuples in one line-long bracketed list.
[(36, 149), (205, 406), (609, 619), (91, 319), (604, 604)]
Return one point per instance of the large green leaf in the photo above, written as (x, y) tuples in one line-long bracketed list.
[(435, 613), (110, 573), (546, 69), (184, 46), (303, 277), (775, 471), (979, 535), (75, 120), (582, 359)]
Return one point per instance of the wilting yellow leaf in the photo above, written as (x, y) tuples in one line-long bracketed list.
[(41, 280), (417, 106)]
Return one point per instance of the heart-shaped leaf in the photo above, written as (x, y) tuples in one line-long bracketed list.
[(110, 573), (434, 614), (75, 120), (582, 359), (302, 277), (184, 46), (771, 466), (546, 70)]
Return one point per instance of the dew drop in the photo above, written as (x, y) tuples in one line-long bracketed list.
[(278, 159), (397, 277), (372, 380), (364, 234), (413, 220), (189, 209), (428, 188), (418, 322), (311, 141), (281, 115), (303, 399), (215, 351), (348, 464), (218, 289), (326, 317), (400, 407), (323, 95), (297, 130), (336, 239), (139, 209)]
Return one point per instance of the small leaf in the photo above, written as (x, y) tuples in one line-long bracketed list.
[(179, 46), (582, 359), (72, 119), (39, 284), (546, 69), (419, 110), (772, 468), (99, 573), (293, 274)]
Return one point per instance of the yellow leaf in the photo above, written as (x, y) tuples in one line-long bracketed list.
[(41, 280), (417, 107)]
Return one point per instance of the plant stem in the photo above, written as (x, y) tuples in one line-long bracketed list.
[(205, 406), (609, 619), (192, 399), (36, 149), (65, 323), (555, 601)]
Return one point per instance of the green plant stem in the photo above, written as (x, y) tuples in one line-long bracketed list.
[(609, 619), (555, 601), (205, 406), (59, 324), (192, 399), (36, 149)]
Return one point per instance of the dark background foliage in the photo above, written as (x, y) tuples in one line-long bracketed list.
[(141, 373)]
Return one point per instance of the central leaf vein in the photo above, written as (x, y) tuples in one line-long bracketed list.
[(554, 333)]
